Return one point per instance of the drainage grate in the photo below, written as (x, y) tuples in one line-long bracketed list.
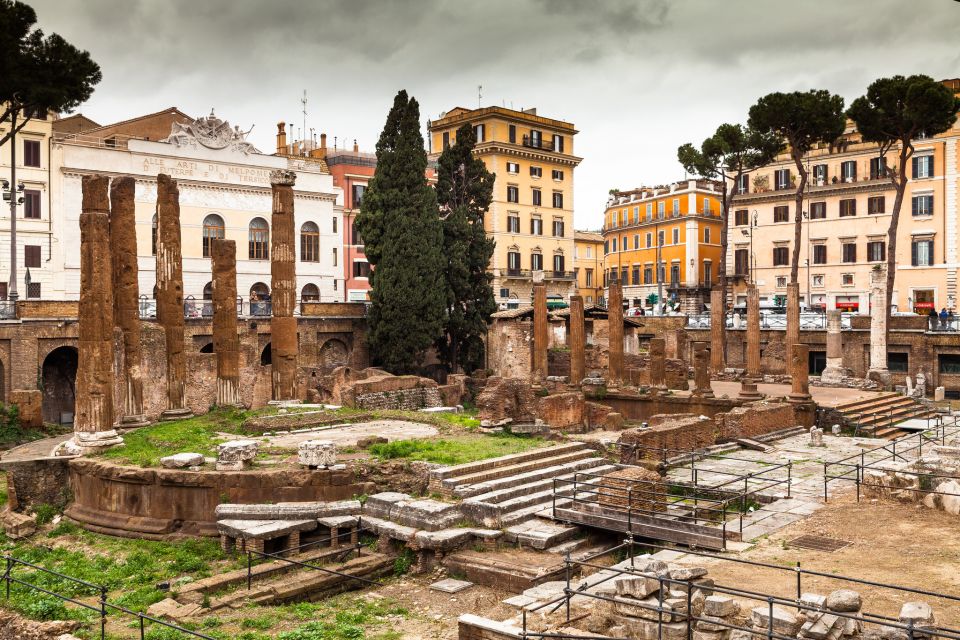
[(818, 543)]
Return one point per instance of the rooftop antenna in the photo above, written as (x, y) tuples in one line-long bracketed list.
[(479, 95), (303, 101)]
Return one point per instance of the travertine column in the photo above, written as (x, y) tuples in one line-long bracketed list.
[(799, 373), (701, 371), (753, 331), (878, 327), (793, 315), (576, 341), (126, 295), (283, 260), (658, 364), (717, 330), (93, 416), (226, 343), (834, 368), (615, 333), (540, 329), (170, 294)]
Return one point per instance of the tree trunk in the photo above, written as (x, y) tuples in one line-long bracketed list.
[(724, 246), (900, 184), (798, 217)]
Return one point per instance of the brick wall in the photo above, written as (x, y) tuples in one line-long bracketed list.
[(681, 432), (408, 399), (756, 419), (472, 627), (27, 309)]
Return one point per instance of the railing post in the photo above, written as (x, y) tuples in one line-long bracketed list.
[(859, 477), (103, 613), (789, 477), (6, 576), (142, 636), (249, 570), (770, 619), (689, 609), (660, 609), (566, 591), (825, 481), (799, 585)]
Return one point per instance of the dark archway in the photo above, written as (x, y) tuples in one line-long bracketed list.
[(266, 356), (207, 348), (59, 375)]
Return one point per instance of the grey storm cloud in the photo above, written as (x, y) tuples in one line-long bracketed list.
[(637, 78)]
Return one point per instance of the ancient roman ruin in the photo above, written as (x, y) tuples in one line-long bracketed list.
[(226, 342), (283, 327)]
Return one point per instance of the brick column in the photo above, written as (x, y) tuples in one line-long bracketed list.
[(226, 343), (878, 327), (615, 333), (701, 370), (799, 373), (834, 368), (538, 367), (126, 295), (170, 294), (658, 364), (283, 326), (717, 330), (753, 331), (793, 315), (94, 413), (576, 340)]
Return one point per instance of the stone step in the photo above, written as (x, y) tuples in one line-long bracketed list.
[(856, 405), (897, 415), (558, 468), (539, 534), (881, 410), (454, 484), (468, 468), (526, 513), (502, 495)]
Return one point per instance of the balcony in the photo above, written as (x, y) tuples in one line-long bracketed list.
[(537, 143), (560, 275), (517, 274)]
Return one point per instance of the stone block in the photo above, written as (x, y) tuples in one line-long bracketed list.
[(939, 394), (636, 586), (719, 634), (381, 505), (687, 573), (712, 624), (720, 606), (822, 626), (784, 622), (919, 613), (17, 525), (813, 600), (651, 629), (317, 454), (642, 608), (29, 403), (182, 461), (844, 601), (236, 455)]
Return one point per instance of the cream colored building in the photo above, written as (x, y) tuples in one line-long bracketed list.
[(847, 209), (588, 265), (531, 217)]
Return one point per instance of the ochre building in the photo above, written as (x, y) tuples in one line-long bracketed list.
[(588, 265)]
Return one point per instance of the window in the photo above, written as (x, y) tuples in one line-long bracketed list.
[(848, 207), (743, 184), (479, 130), (558, 143), (846, 279), (741, 264), (923, 205), (661, 272), (781, 213), (536, 197), (589, 251), (707, 273), (446, 140), (512, 133), (33, 290), (649, 211), (623, 276), (818, 280), (558, 228), (334, 261), (707, 209), (674, 275), (557, 200), (31, 256), (356, 194), (310, 293), (31, 153), (513, 261), (819, 254), (781, 179), (676, 236), (536, 227), (310, 242), (781, 256), (649, 240), (557, 174), (536, 261), (706, 235), (878, 169), (949, 363), (558, 263), (741, 217), (635, 275), (606, 247), (259, 240), (536, 172), (334, 224), (660, 207), (31, 204), (535, 138), (636, 241), (513, 224), (848, 171), (922, 167), (921, 252), (675, 209), (898, 362), (613, 247), (876, 251), (660, 240), (876, 204), (820, 174), (781, 282), (212, 228), (357, 240), (588, 277), (153, 236), (513, 167), (849, 252), (647, 275), (361, 269), (513, 194)]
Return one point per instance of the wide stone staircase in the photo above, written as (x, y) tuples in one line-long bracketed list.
[(880, 415)]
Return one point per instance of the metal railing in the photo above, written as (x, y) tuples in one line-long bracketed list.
[(8, 309), (194, 308), (809, 320)]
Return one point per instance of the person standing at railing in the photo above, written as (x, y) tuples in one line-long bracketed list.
[(933, 319), (944, 319)]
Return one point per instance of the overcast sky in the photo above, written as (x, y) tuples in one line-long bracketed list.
[(637, 79)]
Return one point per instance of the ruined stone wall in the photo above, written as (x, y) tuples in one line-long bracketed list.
[(757, 419), (35, 482), (509, 345), (676, 372), (637, 409), (679, 432), (403, 399)]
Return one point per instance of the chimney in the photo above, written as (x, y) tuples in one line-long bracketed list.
[(281, 137), (355, 147), (323, 144)]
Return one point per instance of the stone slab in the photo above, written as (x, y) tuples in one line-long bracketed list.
[(263, 529), (451, 586), (539, 534)]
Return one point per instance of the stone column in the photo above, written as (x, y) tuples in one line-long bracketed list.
[(540, 330), (878, 327), (701, 371), (283, 260), (658, 364), (126, 295), (93, 418), (793, 315), (576, 341), (753, 332), (717, 330), (615, 333), (170, 295), (834, 368), (799, 373), (226, 343)]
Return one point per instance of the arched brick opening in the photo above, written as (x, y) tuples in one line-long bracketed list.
[(59, 377)]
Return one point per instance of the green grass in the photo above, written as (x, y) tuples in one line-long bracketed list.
[(343, 618), (456, 449)]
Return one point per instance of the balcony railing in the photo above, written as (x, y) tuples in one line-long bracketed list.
[(193, 308), (560, 275), (537, 143), (809, 320), (8, 309)]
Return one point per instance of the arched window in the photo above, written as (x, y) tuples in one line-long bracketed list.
[(259, 239), (309, 242), (259, 290), (310, 293), (153, 236), (212, 228), (208, 291), (260, 300)]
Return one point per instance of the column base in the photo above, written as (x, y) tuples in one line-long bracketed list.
[(799, 398), (749, 391), (697, 393), (176, 414), (96, 441), (134, 421), (282, 403), (881, 376)]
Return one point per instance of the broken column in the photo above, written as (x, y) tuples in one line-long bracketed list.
[(576, 341), (615, 333), (126, 295), (540, 327), (799, 373), (226, 343), (93, 419), (658, 364), (717, 330), (283, 326), (701, 371), (878, 371), (793, 314), (833, 372), (753, 332), (170, 294)]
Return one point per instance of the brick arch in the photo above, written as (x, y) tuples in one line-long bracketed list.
[(47, 346), (334, 351)]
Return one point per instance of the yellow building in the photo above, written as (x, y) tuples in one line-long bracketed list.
[(588, 265), (531, 216), (679, 226)]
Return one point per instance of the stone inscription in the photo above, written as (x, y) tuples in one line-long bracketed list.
[(206, 171)]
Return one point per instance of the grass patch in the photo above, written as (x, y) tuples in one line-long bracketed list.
[(343, 618), (456, 449)]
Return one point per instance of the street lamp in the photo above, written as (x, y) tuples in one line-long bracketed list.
[(15, 198)]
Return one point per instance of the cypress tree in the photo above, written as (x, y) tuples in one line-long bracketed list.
[(403, 239), (464, 193)]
